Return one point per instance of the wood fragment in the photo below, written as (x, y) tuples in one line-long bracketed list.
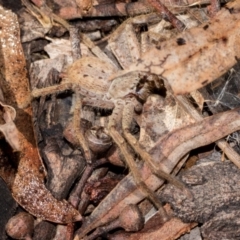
[(126, 8), (169, 16), (171, 230)]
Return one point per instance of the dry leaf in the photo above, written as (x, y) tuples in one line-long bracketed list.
[(28, 187), (197, 56), (160, 116), (59, 47)]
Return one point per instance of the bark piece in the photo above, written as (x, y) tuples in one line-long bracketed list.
[(224, 225), (215, 187), (63, 170), (212, 188)]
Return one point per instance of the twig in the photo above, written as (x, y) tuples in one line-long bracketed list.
[(167, 15), (222, 144), (74, 198)]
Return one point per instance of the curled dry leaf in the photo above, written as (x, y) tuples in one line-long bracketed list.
[(28, 187), (161, 116), (197, 56)]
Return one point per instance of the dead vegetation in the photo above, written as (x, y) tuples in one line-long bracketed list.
[(115, 109)]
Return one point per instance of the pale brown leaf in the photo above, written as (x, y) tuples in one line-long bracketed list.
[(197, 56)]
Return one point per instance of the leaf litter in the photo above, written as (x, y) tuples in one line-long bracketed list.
[(168, 127)]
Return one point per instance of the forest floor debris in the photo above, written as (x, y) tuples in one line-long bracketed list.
[(145, 119)]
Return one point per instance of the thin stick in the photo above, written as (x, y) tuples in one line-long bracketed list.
[(222, 144)]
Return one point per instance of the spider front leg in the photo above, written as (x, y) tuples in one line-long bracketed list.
[(122, 144), (76, 114), (41, 92), (127, 117), (76, 124)]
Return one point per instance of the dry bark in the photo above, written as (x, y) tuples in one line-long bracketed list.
[(215, 188)]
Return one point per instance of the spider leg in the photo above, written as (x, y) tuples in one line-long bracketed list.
[(78, 130), (96, 102), (39, 92), (127, 119), (76, 114), (122, 144)]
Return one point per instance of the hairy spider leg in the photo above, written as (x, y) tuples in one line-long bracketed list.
[(122, 144), (127, 117), (51, 90), (78, 130)]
